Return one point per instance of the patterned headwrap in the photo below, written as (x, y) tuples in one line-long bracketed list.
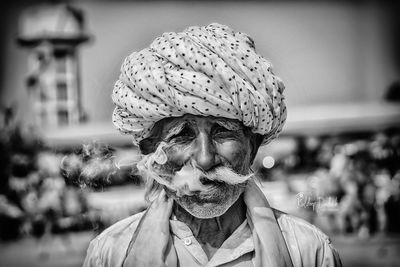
[(205, 71)]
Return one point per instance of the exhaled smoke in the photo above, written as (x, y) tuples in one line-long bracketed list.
[(185, 180), (92, 166)]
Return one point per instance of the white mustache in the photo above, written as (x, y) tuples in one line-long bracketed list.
[(227, 175), (189, 179)]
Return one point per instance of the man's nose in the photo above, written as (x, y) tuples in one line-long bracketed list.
[(205, 154)]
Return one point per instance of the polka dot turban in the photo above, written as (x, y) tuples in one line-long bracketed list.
[(205, 71)]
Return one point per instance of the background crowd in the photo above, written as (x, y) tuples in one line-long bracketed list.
[(347, 184)]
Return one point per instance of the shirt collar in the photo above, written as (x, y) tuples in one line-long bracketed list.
[(240, 242)]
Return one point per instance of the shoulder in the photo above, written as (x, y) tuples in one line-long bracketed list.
[(108, 248), (291, 225), (307, 245)]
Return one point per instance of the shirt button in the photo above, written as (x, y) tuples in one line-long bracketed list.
[(187, 241)]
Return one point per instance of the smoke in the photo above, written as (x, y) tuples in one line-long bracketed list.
[(92, 166), (186, 179), (96, 165)]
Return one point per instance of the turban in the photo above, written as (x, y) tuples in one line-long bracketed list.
[(204, 71)]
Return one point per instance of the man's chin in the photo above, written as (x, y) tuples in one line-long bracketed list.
[(206, 211), (204, 206)]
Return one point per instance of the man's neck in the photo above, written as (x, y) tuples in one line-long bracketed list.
[(211, 233)]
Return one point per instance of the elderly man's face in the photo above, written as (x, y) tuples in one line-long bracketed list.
[(202, 152)]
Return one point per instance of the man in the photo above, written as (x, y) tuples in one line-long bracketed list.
[(199, 104)]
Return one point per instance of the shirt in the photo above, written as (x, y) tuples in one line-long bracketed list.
[(307, 245), (237, 250)]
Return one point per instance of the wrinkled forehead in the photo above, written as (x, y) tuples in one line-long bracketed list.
[(168, 125)]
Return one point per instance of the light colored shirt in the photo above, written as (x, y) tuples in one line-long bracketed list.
[(306, 244), (237, 250)]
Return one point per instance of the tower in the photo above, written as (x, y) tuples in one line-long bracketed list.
[(52, 34)]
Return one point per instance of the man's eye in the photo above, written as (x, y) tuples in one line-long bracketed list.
[(184, 134), (221, 131)]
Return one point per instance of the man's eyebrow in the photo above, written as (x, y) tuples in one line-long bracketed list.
[(230, 125), (175, 129)]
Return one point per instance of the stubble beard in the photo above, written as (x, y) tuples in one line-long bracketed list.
[(211, 204)]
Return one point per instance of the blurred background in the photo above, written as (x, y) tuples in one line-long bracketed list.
[(66, 173)]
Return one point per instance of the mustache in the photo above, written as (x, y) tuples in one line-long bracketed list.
[(223, 174), (188, 179)]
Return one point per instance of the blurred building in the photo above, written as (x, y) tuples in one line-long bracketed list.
[(52, 34), (337, 59)]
